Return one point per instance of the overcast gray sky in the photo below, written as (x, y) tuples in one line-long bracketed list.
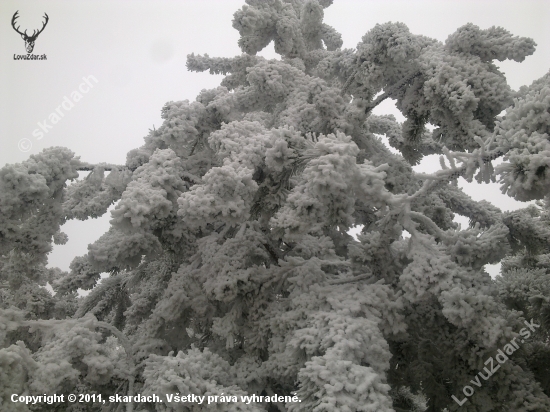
[(137, 51)]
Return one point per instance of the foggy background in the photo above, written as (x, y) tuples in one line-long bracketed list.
[(137, 52)]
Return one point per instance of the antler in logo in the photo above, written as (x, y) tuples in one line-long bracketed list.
[(29, 40)]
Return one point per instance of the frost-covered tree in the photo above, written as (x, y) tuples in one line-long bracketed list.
[(230, 265)]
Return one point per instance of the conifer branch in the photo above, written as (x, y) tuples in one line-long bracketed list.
[(391, 90)]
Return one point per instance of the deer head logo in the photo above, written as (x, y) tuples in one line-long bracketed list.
[(29, 40)]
